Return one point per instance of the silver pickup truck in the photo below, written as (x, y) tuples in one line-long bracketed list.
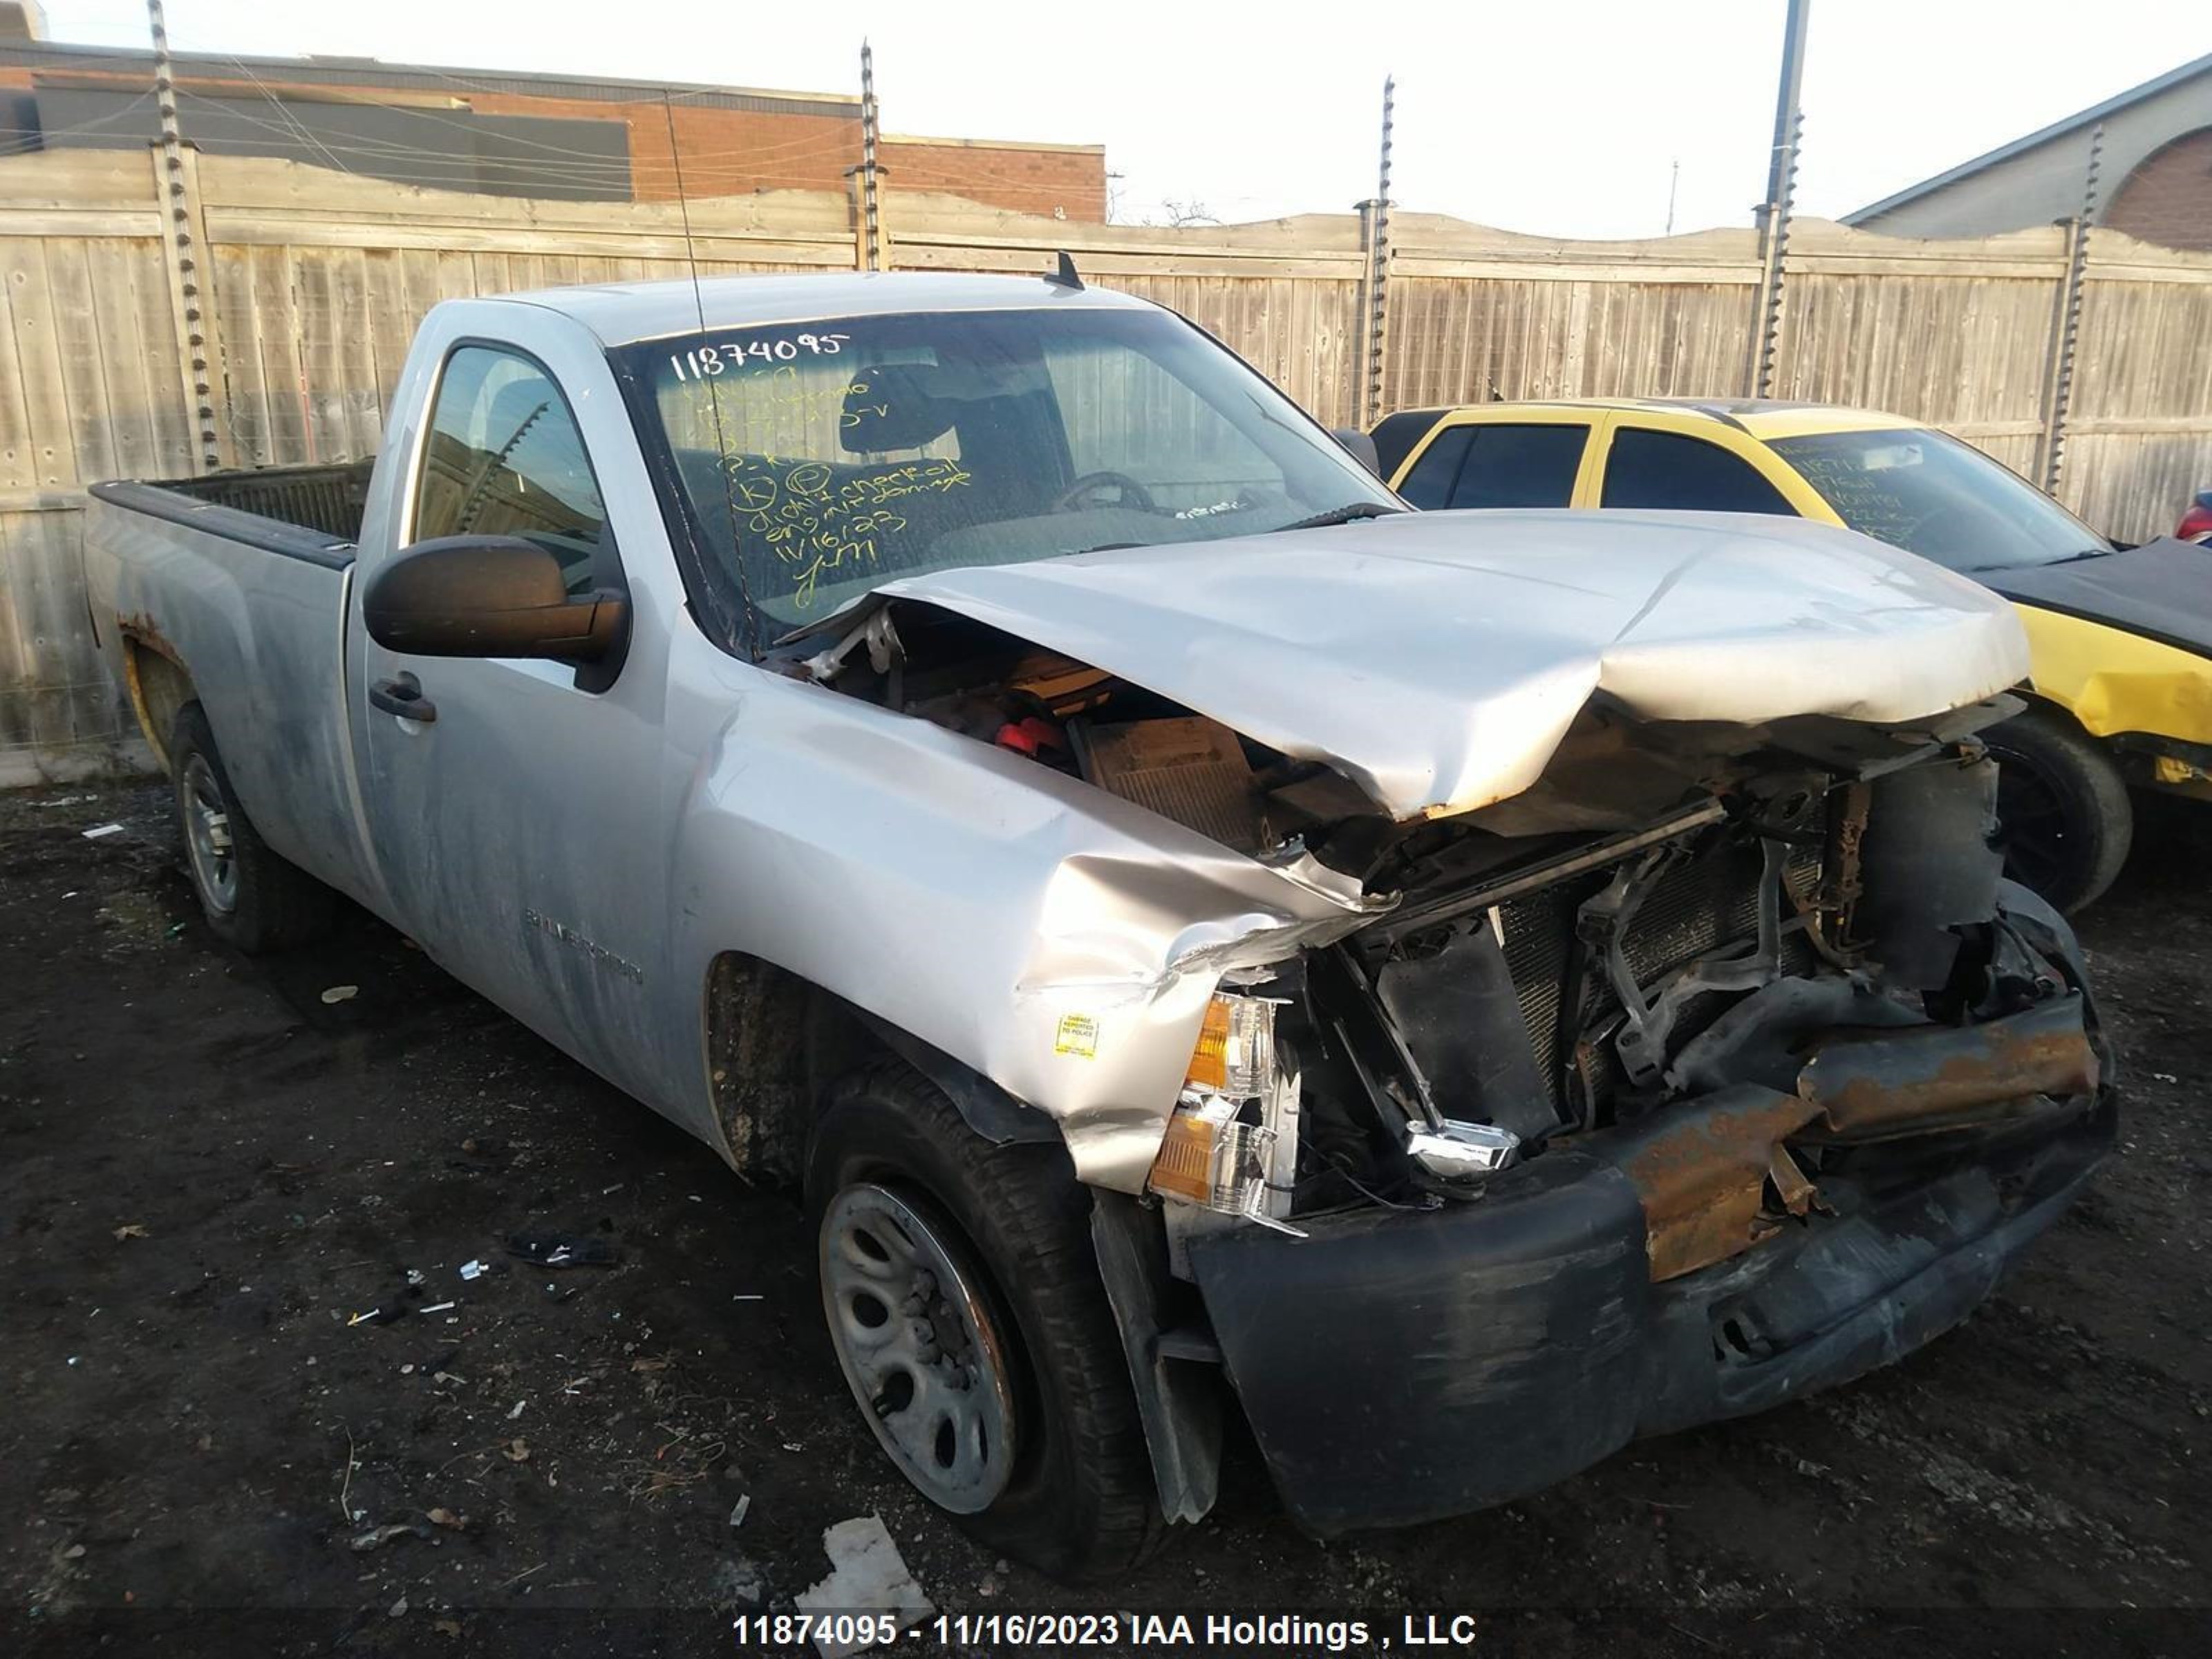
[(1463, 990)]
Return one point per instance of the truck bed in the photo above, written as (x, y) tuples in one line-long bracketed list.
[(233, 590), (311, 512)]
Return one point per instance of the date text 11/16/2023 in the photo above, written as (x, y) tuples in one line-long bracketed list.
[(1283, 1633)]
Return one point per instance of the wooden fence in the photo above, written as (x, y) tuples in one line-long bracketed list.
[(311, 282)]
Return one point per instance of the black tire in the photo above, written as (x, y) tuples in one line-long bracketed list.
[(1080, 1502), (2064, 821), (251, 898)]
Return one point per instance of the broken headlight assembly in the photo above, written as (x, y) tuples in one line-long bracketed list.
[(1231, 1142)]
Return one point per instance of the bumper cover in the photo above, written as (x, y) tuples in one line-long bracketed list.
[(1400, 1368)]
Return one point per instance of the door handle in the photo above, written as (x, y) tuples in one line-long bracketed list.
[(403, 696)]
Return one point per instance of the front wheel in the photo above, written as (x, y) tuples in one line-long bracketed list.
[(2064, 821), (965, 1303)]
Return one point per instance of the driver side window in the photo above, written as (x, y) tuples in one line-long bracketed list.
[(505, 458)]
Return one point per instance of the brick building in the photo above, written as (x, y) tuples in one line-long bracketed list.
[(566, 138), (2155, 173)]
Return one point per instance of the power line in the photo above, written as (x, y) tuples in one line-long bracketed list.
[(277, 104), (600, 171), (789, 150), (96, 122)]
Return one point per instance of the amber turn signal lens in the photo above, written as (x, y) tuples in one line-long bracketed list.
[(1209, 1061), (1208, 1157), (1184, 1168)]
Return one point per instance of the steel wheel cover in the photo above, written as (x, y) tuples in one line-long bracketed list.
[(207, 836), (919, 1346)]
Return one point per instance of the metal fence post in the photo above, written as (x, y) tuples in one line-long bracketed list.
[(872, 224), (2066, 325), (1376, 218), (1354, 372), (1774, 211), (185, 252)]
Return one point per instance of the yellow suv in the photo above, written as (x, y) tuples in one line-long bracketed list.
[(2122, 637)]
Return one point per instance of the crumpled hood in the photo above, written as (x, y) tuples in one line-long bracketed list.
[(1438, 659)]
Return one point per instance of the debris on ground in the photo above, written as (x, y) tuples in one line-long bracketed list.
[(517, 1450), (563, 1249), (377, 1537), (341, 993), (100, 831), (867, 1574), (736, 1582), (738, 1511), (390, 1308), (131, 1229), (474, 1269)]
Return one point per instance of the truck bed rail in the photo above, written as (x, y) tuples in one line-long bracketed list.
[(303, 513)]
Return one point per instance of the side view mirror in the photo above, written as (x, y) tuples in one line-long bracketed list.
[(487, 596), (1361, 446)]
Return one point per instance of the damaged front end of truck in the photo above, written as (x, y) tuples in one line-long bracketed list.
[(1667, 1126), (1684, 1056)]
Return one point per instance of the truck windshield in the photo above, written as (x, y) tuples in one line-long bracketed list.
[(1929, 494), (819, 459)]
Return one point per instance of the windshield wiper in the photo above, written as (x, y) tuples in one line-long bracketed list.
[(1345, 514), (2043, 564)]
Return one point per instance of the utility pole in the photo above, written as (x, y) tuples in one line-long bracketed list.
[(1781, 193), (872, 224), (183, 244), (2066, 330), (1377, 217), (1674, 185)]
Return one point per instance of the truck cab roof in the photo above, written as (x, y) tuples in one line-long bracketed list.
[(623, 314)]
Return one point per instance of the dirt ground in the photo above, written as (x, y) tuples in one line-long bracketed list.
[(207, 1170)]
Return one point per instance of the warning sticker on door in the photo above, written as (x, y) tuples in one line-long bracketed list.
[(1078, 1035)]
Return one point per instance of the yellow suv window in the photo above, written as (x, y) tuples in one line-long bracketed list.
[(1498, 463), (1670, 470)]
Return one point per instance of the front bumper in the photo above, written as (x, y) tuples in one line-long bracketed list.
[(1400, 1368)]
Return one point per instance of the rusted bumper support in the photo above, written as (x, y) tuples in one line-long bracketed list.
[(1919, 1080), (1715, 1175)]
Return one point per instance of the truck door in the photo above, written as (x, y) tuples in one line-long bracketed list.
[(515, 823)]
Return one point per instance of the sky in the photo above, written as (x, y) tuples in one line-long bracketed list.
[(1559, 118)]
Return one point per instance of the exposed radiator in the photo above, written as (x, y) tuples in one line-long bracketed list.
[(1695, 910)]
